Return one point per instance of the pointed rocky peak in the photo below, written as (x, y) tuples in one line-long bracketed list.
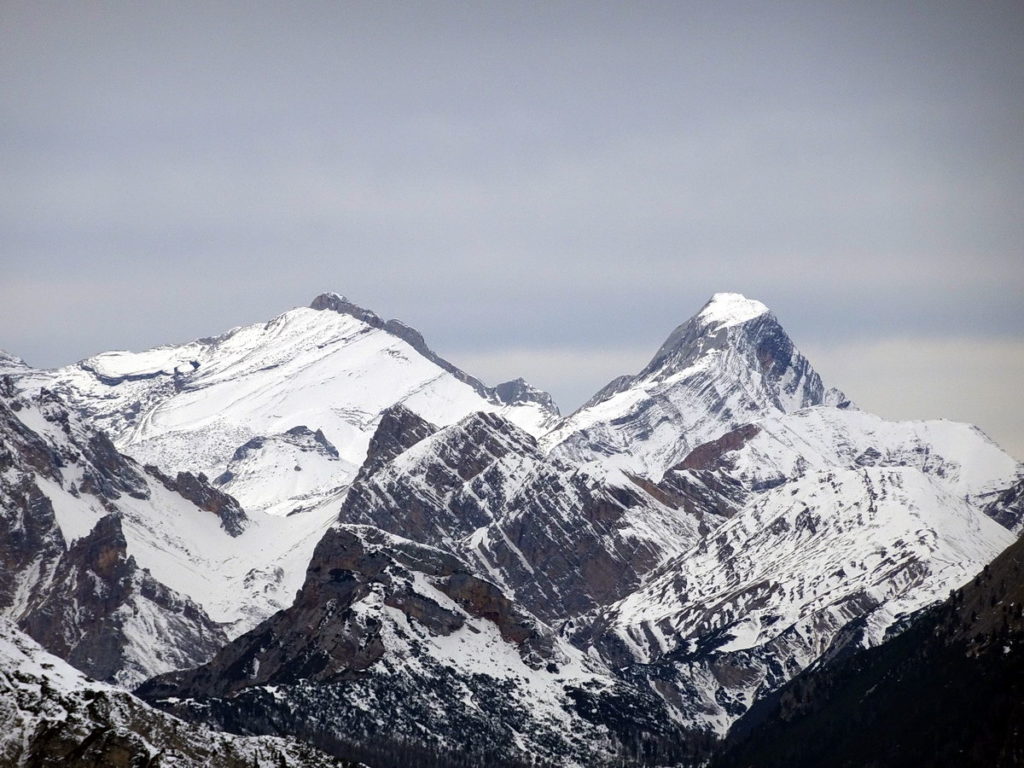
[(738, 337), (519, 392), (330, 301), (726, 321), (480, 439), (464, 449), (727, 309), (399, 429), (731, 363), (334, 302), (742, 336), (516, 392)]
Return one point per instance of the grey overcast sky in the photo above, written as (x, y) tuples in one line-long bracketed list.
[(543, 189)]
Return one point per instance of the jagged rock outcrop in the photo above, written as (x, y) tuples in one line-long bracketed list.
[(389, 639), (398, 429), (68, 576), (197, 489), (561, 540), (111, 619)]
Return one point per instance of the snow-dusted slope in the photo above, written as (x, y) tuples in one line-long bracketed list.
[(52, 714), (729, 364), (300, 463), (844, 521), (701, 531), (959, 457), (332, 367), (67, 575), (59, 478), (560, 538)]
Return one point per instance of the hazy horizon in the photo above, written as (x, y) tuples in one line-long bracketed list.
[(543, 191)]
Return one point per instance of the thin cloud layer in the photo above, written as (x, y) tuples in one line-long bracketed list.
[(526, 185)]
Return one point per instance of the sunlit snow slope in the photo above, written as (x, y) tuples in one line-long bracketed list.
[(332, 367)]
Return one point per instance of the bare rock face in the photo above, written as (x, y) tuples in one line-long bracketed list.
[(30, 539), (197, 489), (81, 594), (1007, 508), (99, 609), (113, 474), (563, 541), (398, 430), (21, 446), (710, 455), (394, 641)]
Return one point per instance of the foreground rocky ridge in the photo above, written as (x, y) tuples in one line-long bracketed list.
[(53, 715), (560, 538), (390, 641)]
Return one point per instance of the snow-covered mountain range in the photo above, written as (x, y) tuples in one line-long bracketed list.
[(318, 527), (332, 367)]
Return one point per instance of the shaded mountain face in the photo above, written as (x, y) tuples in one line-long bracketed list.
[(390, 641), (561, 539), (111, 619), (948, 691), (728, 365), (68, 578), (55, 715)]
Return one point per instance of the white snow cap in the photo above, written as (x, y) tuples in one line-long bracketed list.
[(725, 309)]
